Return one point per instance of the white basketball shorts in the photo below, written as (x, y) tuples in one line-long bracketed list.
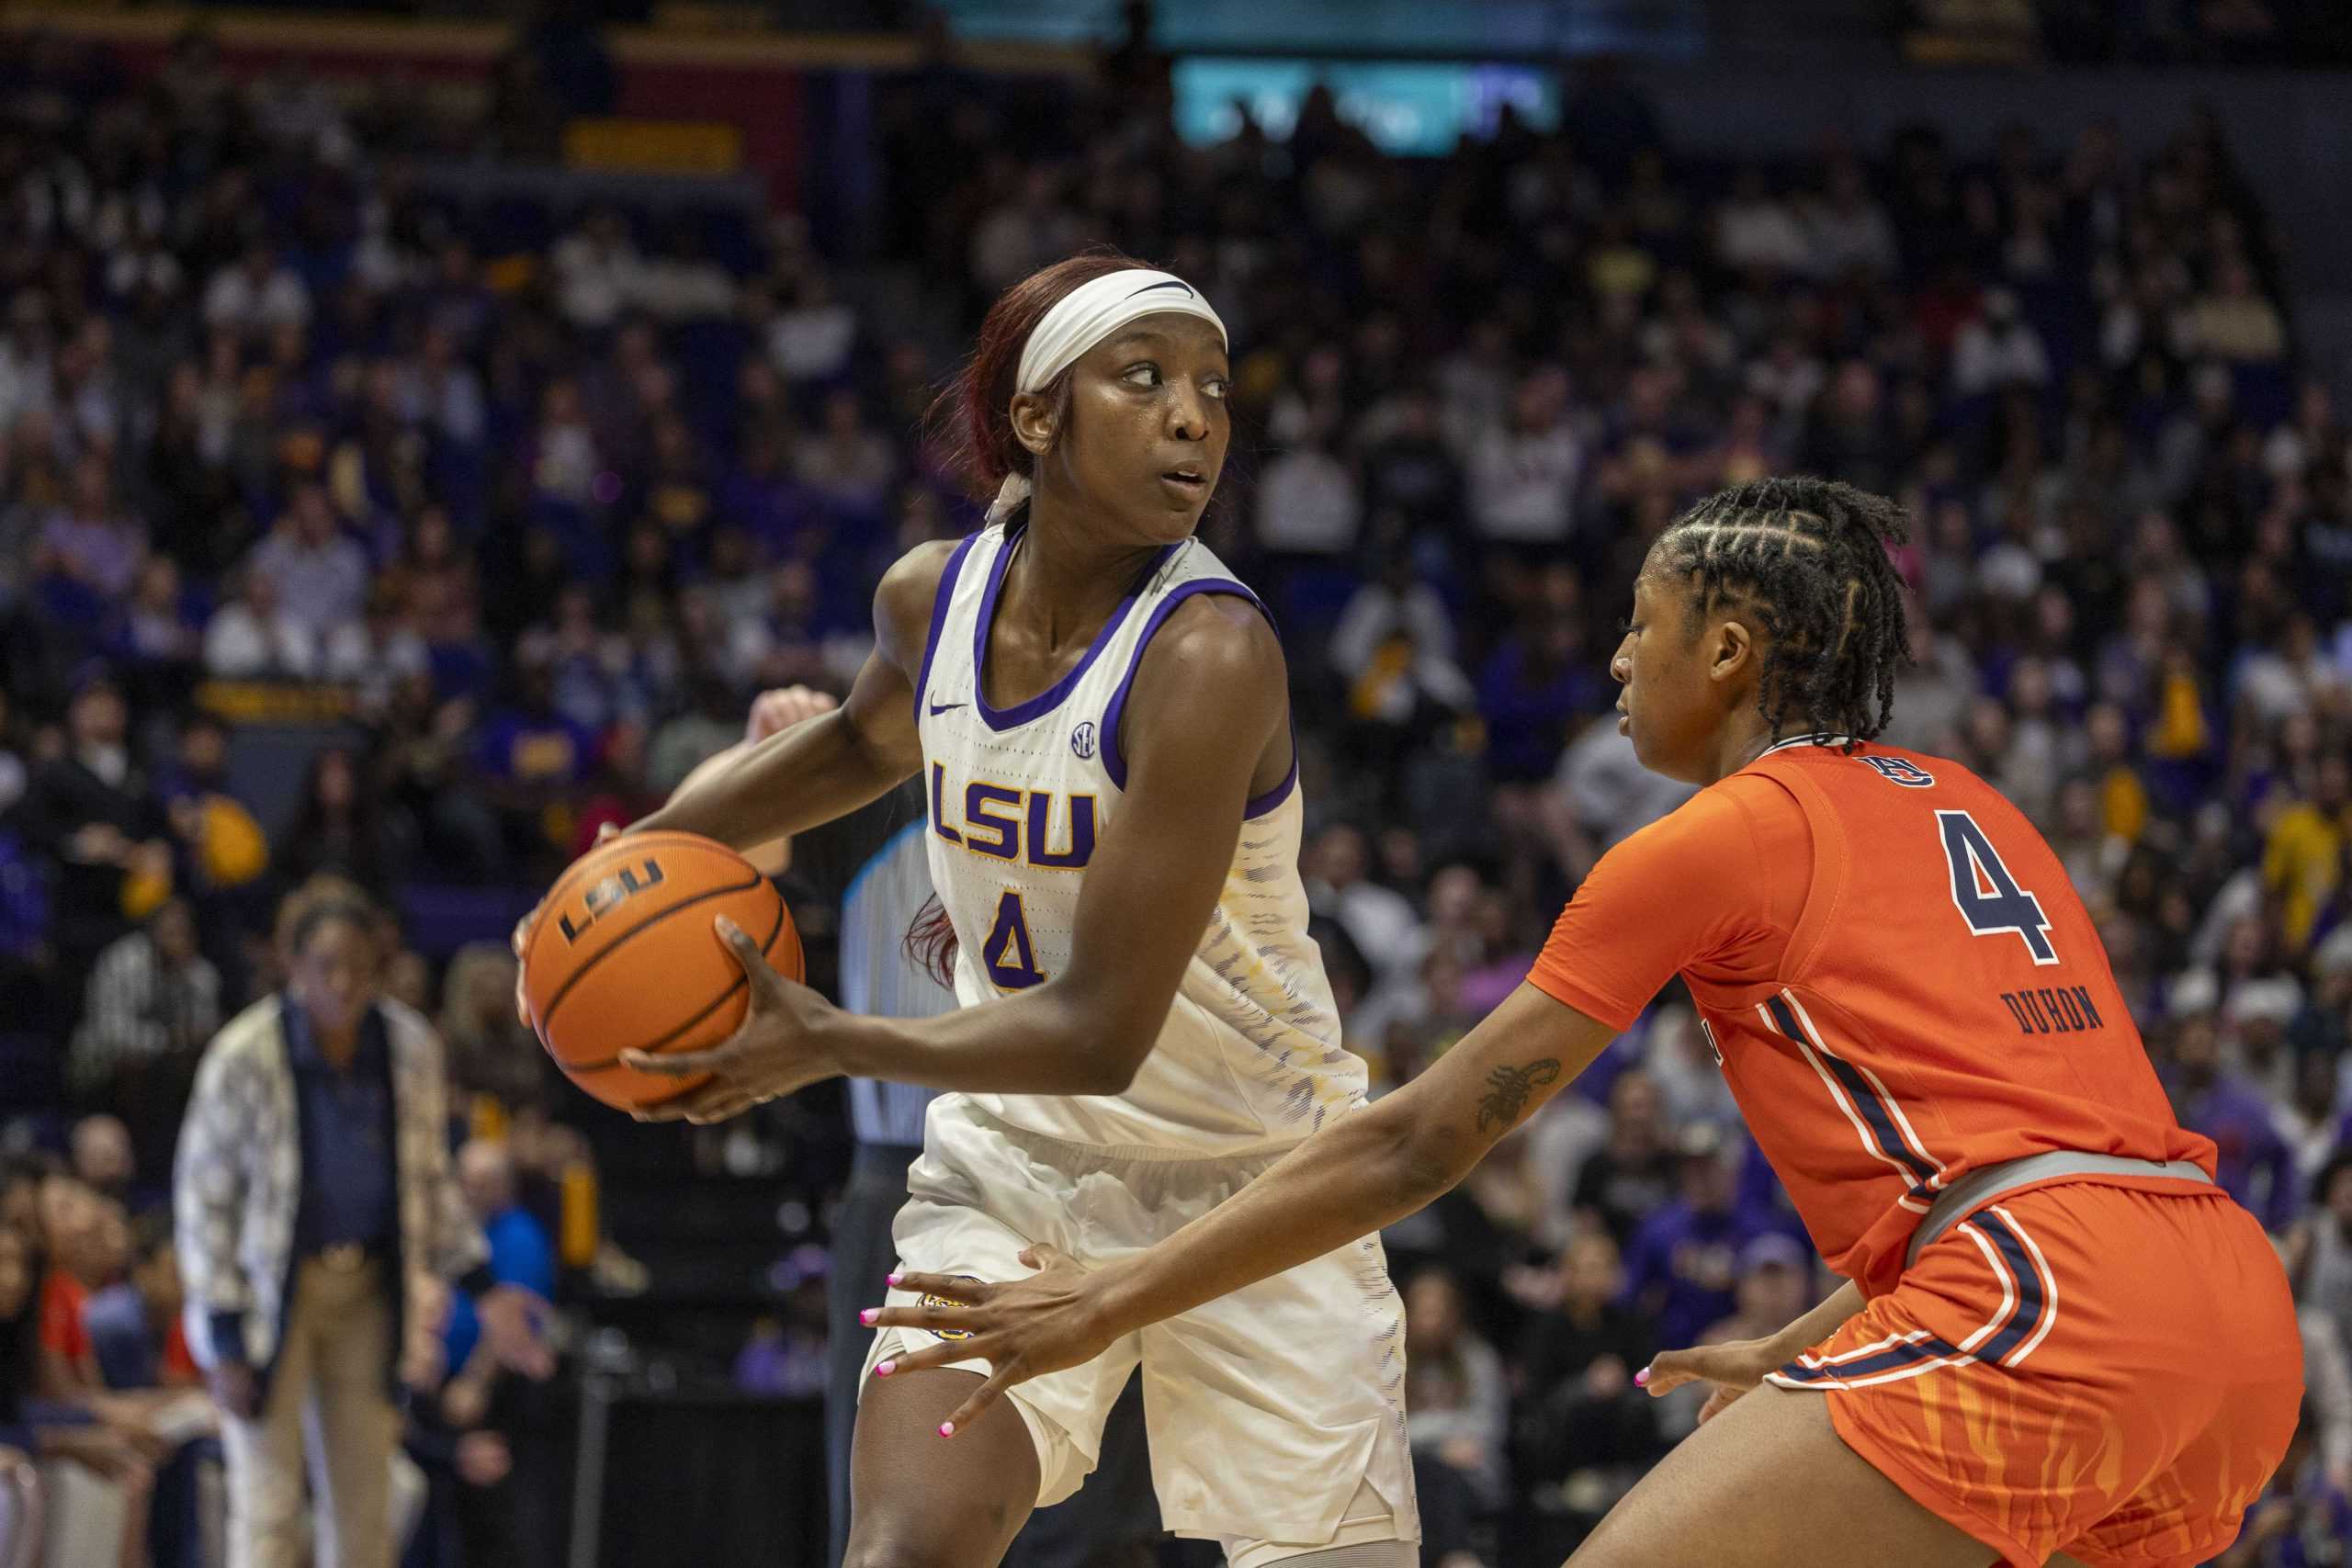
[(1276, 1415)]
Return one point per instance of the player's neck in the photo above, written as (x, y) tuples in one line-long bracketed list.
[(1745, 739), (1068, 578)]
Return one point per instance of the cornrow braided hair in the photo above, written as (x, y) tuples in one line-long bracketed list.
[(1808, 557)]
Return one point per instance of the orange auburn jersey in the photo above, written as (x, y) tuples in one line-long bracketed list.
[(1896, 976)]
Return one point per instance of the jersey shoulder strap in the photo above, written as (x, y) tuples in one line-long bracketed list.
[(955, 606), (1190, 570)]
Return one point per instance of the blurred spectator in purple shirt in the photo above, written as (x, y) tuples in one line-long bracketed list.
[(1681, 1267), (2253, 1164), (90, 542)]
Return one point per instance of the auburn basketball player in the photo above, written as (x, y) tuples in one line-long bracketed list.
[(2060, 1342), (1099, 717)]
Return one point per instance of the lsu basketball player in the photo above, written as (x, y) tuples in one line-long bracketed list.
[(2058, 1343), (1099, 715), (872, 865)]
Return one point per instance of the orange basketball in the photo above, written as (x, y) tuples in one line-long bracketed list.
[(624, 957)]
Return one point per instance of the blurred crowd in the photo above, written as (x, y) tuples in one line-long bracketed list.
[(537, 523)]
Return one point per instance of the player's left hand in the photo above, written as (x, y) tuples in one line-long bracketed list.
[(1022, 1328), (1733, 1367), (770, 1055), (781, 708)]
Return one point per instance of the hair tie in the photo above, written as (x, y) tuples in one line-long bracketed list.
[(1015, 489)]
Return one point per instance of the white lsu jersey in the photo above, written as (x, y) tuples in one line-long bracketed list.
[(1249, 1057)]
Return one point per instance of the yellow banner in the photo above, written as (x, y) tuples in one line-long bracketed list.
[(654, 146)]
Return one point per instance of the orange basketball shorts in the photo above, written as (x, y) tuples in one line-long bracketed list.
[(2101, 1370)]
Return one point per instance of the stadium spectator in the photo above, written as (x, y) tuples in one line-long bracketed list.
[(1538, 684), (134, 1323), (1379, 920), (1999, 348), (338, 826), (2304, 1516), (2235, 322), (101, 1155), (321, 576), (257, 293), (1394, 652), (1756, 231), (1028, 228), (780, 643), (254, 636), (312, 1155), (1307, 500), (846, 463), (1602, 795), (520, 1255), (1684, 1262), (154, 1000), (94, 1479), (2253, 1164), (89, 548), (1584, 1430), (1526, 473), (2319, 1250), (1632, 1172), (1847, 230), (90, 806), (1457, 1399), (157, 629)]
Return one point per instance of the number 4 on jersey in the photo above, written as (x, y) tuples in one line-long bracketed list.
[(1010, 960), (1987, 896)]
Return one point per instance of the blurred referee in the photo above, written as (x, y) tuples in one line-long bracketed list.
[(873, 863)]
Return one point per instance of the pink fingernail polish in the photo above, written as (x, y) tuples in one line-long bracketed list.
[(890, 1279), (868, 1316), (1642, 1378), (885, 1369), (947, 1428)]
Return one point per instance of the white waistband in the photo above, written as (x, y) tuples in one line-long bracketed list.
[(1978, 1188)]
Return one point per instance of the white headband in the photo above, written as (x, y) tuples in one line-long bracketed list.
[(1086, 316)]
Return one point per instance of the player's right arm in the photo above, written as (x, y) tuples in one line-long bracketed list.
[(830, 765), (1367, 1170), (1679, 890)]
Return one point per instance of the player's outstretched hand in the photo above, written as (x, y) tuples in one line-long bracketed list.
[(773, 1054), (1022, 1328), (1733, 1367)]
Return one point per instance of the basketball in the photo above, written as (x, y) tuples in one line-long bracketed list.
[(624, 957)]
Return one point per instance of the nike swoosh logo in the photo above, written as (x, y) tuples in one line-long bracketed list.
[(1172, 283), (938, 708)]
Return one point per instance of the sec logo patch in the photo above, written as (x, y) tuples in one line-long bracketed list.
[(1081, 741)]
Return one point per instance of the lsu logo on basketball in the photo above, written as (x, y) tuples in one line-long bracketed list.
[(614, 890), (945, 1302), (1901, 770)]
